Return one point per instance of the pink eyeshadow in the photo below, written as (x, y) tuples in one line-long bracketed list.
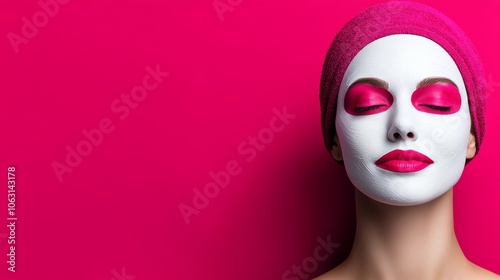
[(440, 98), (366, 99)]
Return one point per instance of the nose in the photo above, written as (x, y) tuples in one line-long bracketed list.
[(398, 134), (402, 126)]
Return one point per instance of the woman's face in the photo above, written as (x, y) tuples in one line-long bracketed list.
[(403, 120)]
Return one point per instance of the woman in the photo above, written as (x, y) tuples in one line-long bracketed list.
[(402, 100)]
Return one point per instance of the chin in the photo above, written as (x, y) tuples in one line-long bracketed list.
[(407, 196)]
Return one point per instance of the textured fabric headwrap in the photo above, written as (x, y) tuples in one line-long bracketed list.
[(401, 17)]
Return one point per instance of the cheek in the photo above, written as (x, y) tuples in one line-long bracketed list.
[(444, 137), (361, 135)]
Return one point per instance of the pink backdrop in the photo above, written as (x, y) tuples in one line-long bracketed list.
[(118, 115)]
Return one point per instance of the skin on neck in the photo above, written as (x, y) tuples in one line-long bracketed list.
[(406, 242)]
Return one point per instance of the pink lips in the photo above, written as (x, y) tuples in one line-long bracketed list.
[(403, 161)]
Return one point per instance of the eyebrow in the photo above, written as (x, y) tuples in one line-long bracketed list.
[(435, 80), (372, 81), (383, 84)]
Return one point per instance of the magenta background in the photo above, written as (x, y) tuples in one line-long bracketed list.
[(119, 207)]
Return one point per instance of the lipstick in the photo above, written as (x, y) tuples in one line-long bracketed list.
[(403, 161)]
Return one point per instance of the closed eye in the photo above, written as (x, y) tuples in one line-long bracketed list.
[(368, 108), (438, 108)]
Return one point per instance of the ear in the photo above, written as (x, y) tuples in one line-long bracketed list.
[(336, 150), (471, 147)]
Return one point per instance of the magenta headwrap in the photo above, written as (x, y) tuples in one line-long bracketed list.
[(401, 17)]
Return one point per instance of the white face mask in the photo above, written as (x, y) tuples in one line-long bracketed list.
[(427, 128)]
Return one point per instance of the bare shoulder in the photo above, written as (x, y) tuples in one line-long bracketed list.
[(330, 275), (338, 273), (484, 274), (473, 272)]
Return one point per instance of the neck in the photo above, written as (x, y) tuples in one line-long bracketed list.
[(406, 242)]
